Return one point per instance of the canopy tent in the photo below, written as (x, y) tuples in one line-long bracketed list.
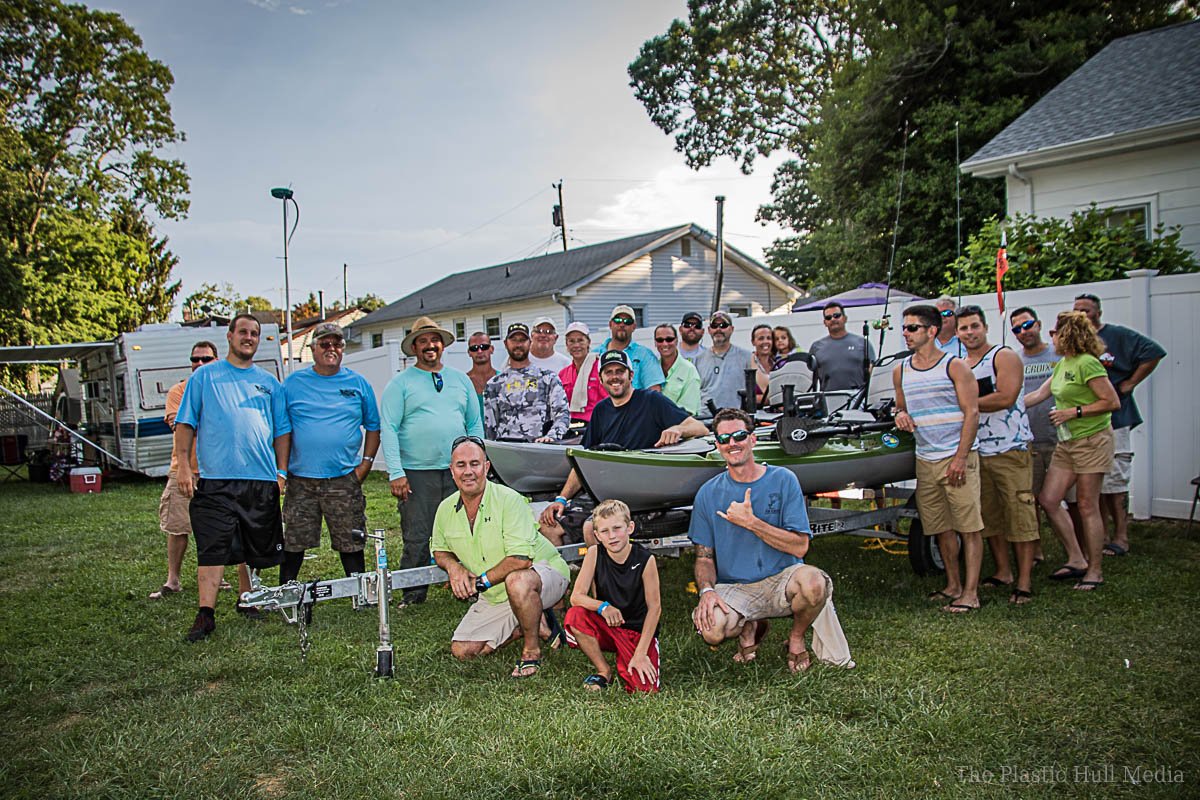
[(869, 294)]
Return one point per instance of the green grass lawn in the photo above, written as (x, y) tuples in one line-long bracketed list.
[(101, 697)]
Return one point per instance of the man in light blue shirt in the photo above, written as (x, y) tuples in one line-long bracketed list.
[(947, 338), (423, 410), (328, 408), (647, 370), (235, 504)]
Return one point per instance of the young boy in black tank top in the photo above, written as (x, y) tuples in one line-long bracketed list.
[(615, 605)]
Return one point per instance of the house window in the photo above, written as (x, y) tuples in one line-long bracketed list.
[(739, 311), (460, 330), (376, 340), (685, 247), (639, 313), (491, 326), (1139, 215)]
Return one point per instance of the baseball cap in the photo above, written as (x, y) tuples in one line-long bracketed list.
[(545, 321), (692, 315), (623, 309), (579, 327), (517, 327), (723, 315), (327, 329), (615, 357)]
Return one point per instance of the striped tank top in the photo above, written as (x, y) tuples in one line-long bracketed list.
[(1005, 430), (933, 405)]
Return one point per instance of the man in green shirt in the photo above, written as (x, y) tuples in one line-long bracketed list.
[(683, 381), (485, 538)]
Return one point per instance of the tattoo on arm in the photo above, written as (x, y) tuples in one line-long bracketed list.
[(705, 552)]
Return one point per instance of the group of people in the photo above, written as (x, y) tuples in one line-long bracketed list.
[(992, 448)]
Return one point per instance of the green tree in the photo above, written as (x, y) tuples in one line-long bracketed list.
[(256, 303), (838, 86), (368, 302), (213, 300)]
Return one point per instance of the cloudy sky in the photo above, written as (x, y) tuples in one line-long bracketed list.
[(420, 138)]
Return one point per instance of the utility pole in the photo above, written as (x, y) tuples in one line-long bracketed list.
[(716, 303), (557, 217), (345, 293), (320, 305)]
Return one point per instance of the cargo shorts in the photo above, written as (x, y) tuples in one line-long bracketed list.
[(339, 501)]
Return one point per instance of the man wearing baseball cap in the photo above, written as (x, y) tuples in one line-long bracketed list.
[(636, 419), (647, 371), (524, 402), (691, 331), (722, 367), (328, 407), (544, 335)]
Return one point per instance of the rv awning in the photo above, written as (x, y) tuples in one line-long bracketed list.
[(49, 353)]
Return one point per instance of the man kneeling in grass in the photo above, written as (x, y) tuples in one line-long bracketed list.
[(485, 538), (750, 528), (615, 606)]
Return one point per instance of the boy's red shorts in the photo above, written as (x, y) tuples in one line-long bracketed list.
[(621, 641)]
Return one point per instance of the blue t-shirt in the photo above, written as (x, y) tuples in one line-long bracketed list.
[(635, 425), (647, 368), (236, 414), (1125, 349), (325, 415), (741, 556)]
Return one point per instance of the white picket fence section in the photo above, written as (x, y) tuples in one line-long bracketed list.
[(1166, 308)]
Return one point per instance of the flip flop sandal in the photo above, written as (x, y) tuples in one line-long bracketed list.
[(534, 664), (557, 637), (164, 591), (1066, 573), (1114, 549), (596, 682), (1020, 597), (959, 608), (745, 655), (799, 662), (940, 596), (1088, 586)]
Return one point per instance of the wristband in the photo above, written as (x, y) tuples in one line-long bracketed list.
[(281, 474), (561, 499), (1078, 411), (485, 580), (481, 585), (707, 589), (603, 606), (369, 459)]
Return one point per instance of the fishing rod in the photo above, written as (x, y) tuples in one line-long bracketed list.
[(884, 324)]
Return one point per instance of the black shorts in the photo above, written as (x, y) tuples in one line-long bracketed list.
[(237, 521)]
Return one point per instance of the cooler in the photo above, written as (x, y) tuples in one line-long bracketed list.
[(86, 480)]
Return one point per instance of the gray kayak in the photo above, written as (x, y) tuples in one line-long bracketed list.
[(530, 467)]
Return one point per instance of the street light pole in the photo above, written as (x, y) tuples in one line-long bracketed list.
[(285, 194)]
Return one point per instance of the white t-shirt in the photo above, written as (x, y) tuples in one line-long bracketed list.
[(553, 362)]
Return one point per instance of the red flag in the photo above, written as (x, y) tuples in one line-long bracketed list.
[(1001, 269)]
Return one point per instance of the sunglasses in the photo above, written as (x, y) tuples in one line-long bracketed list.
[(1024, 326), (664, 339), (949, 312), (736, 436), (202, 359), (472, 439), (544, 331), (438, 383), (912, 328), (623, 320), (325, 344), (834, 315), (691, 324), (719, 325), (479, 348)]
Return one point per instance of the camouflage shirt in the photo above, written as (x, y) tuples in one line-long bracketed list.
[(525, 404)]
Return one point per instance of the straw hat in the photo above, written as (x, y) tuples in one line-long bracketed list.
[(425, 325)]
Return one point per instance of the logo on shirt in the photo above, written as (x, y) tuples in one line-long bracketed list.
[(1108, 359), (348, 392), (1070, 376), (262, 389), (774, 502)]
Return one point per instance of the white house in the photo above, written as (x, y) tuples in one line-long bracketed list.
[(662, 275), (301, 351), (1123, 132)]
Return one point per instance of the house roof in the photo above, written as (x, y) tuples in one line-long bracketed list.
[(1143, 82), (309, 325), (540, 276)]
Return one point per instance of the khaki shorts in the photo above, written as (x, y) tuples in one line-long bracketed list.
[(494, 624), (1041, 453), (944, 507), (1085, 456), (173, 515), (765, 599), (1006, 496), (339, 500), (1116, 480)]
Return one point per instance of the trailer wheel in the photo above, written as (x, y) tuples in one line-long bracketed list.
[(923, 552), (383, 664), (661, 524)]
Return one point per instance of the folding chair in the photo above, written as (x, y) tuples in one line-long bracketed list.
[(12, 456)]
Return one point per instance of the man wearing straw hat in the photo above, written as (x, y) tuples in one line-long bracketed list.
[(424, 408)]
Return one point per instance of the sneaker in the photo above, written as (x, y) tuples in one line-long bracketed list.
[(249, 612), (201, 628)]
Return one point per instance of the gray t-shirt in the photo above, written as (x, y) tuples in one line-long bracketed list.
[(840, 361), (1037, 369), (722, 377)]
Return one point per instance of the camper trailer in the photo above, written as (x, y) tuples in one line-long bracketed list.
[(122, 387)]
